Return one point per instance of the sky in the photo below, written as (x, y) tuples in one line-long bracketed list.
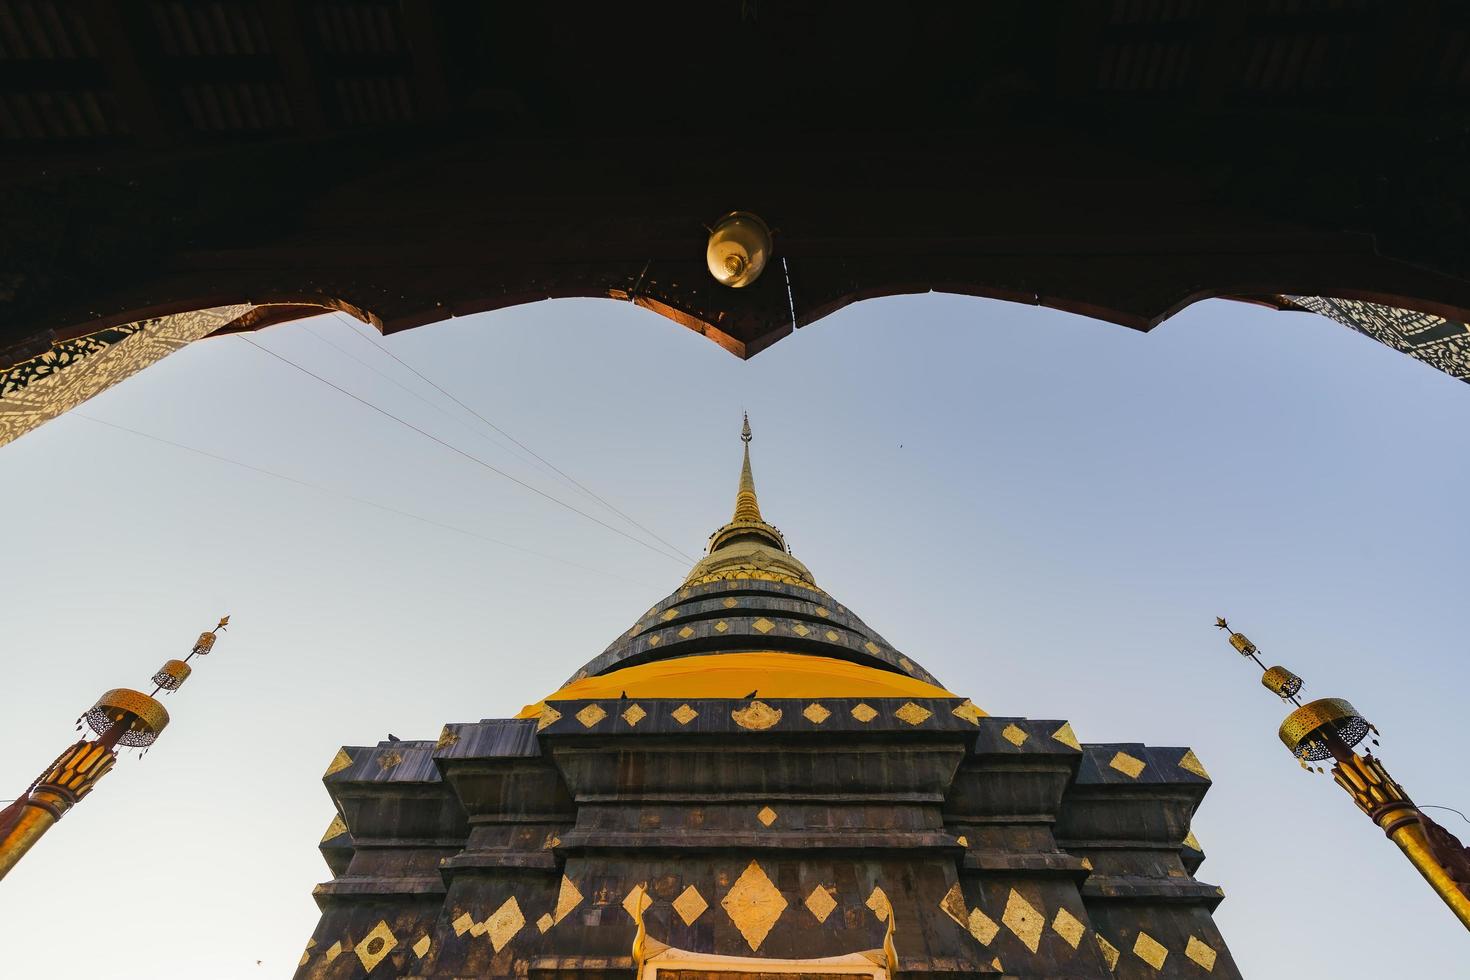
[(1046, 511)]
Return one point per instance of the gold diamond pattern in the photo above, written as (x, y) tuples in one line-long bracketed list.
[(871, 647), (1016, 736), (1192, 842), (1127, 765), (721, 626), (334, 951), (953, 905), (763, 625), (684, 714), (591, 715), (655, 639), (340, 761), (669, 614), (1110, 952), (567, 899), (633, 715), (636, 901), (832, 636), (968, 712), (506, 921), (822, 611), (1201, 954), (996, 964), (820, 903), (1067, 737), (878, 902), (463, 923), (690, 905), (1190, 763), (754, 904), (816, 713), (548, 716), (913, 714), (864, 712), (983, 927), (800, 630), (376, 945), (1023, 918), (545, 922), (686, 633), (1150, 950), (767, 816), (334, 829), (731, 603), (421, 948), (1068, 927)]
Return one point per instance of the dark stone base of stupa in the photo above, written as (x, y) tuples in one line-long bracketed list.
[(774, 829)]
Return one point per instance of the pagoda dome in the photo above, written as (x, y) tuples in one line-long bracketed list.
[(748, 618)]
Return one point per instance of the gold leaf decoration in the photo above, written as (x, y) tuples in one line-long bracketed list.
[(816, 713), (1024, 919), (633, 715), (335, 829), (757, 716), (686, 632), (1110, 952), (1067, 737), (1016, 736), (953, 905), (548, 716), (1150, 950), (334, 951), (766, 816), (690, 905), (967, 711), (567, 899), (754, 904), (1127, 765), (684, 714), (421, 948), (820, 903), (1201, 954), (506, 921), (1192, 841), (545, 922), (878, 902), (591, 715), (763, 625), (864, 712), (872, 647), (463, 924), (1069, 927), (375, 945), (635, 901), (912, 714), (340, 761), (1190, 763), (446, 738), (983, 927)]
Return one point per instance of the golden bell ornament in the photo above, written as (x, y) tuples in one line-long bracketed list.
[(739, 247)]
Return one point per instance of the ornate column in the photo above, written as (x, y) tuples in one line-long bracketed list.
[(121, 717), (1329, 728)]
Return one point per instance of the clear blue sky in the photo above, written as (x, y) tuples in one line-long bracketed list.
[(1046, 511)]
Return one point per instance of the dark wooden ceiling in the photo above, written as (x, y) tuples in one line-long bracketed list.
[(408, 161)]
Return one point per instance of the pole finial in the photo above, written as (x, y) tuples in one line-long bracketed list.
[(745, 429)]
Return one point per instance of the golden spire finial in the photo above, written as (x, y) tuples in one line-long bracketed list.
[(747, 509)]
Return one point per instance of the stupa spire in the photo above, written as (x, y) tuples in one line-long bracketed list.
[(747, 508)]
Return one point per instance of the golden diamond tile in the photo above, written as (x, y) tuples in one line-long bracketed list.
[(1192, 842), (334, 829), (463, 923), (690, 905), (421, 948), (1201, 954), (820, 903), (754, 904), (1016, 736), (871, 647), (502, 926), (982, 927), (1127, 765), (832, 636), (633, 715), (968, 712), (995, 963), (480, 928), (636, 899), (962, 840), (1066, 736), (816, 713), (390, 759), (1190, 763), (548, 716), (334, 951), (545, 922), (800, 629), (447, 738), (1069, 927), (591, 715), (686, 632), (767, 816), (906, 664), (684, 714), (763, 625), (1110, 952), (756, 716), (878, 902), (375, 945), (1087, 863), (864, 712), (953, 905), (822, 611), (1024, 919), (913, 714), (1148, 949), (567, 899), (340, 761), (655, 639), (721, 626), (669, 614)]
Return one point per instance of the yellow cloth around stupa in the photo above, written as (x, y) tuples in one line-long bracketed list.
[(735, 675)]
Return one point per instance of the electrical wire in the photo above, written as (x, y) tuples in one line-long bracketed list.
[(346, 496), (543, 460), (459, 452)]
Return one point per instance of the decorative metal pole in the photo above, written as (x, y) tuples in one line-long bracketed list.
[(1329, 728), (121, 717)]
